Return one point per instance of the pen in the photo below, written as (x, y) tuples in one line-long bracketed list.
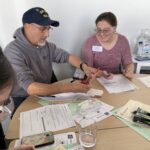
[(106, 73), (52, 96), (48, 96), (72, 80), (43, 123)]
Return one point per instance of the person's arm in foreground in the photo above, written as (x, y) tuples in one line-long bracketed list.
[(24, 147)]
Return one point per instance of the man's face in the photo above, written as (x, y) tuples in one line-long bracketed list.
[(37, 34)]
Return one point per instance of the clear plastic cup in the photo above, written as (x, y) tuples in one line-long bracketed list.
[(87, 132)]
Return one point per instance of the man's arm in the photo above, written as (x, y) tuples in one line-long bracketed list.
[(43, 89), (37, 88)]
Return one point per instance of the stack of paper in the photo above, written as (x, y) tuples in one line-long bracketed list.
[(145, 80), (116, 85), (70, 96), (125, 114), (47, 118)]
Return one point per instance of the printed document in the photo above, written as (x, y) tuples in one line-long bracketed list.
[(145, 80), (91, 108), (46, 118), (65, 140), (126, 112), (118, 84)]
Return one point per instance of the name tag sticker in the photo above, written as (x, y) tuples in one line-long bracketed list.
[(97, 48)]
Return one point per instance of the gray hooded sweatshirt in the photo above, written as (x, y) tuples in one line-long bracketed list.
[(31, 63)]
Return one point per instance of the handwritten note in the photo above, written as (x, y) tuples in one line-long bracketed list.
[(116, 85)]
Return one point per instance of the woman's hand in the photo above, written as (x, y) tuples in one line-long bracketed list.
[(128, 72), (88, 70), (107, 75)]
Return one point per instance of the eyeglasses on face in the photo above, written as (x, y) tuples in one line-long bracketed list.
[(105, 31), (42, 28), (4, 108)]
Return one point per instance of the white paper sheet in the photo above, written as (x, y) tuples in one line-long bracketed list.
[(92, 108), (47, 118), (74, 96), (67, 140), (116, 85), (126, 111), (145, 80), (63, 139), (94, 92)]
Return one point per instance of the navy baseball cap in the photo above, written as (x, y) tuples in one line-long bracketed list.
[(39, 16)]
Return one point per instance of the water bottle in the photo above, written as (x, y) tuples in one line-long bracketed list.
[(140, 47), (144, 43)]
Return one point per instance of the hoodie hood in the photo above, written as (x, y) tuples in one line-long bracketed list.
[(20, 37)]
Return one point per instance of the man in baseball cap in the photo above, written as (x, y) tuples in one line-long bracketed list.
[(39, 16), (31, 56)]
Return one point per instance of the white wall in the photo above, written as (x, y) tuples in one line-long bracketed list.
[(76, 21)]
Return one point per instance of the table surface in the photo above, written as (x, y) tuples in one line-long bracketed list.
[(112, 134)]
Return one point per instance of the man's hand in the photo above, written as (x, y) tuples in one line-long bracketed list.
[(78, 86)]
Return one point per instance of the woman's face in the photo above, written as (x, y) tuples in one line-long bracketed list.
[(4, 94), (104, 31)]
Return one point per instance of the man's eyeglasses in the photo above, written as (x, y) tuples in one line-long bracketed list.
[(43, 28), (105, 31)]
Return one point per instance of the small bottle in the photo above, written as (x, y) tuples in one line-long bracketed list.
[(146, 49), (140, 48)]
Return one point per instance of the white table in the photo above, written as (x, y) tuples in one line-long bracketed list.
[(140, 64)]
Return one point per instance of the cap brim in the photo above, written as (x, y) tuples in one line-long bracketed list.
[(49, 22), (54, 23)]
